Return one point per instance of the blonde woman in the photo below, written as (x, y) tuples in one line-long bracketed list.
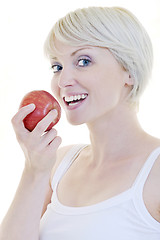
[(109, 189)]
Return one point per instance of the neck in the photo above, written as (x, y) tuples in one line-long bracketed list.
[(115, 134)]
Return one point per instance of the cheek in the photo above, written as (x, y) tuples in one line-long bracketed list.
[(108, 90), (55, 89)]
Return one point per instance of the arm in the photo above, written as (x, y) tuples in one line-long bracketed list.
[(23, 217)]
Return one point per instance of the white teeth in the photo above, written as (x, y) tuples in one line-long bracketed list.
[(72, 104), (71, 98), (75, 97), (79, 97)]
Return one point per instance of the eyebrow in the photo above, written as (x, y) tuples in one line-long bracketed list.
[(80, 49), (73, 53)]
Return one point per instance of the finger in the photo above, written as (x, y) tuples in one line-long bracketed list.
[(48, 137), (55, 144), (17, 120), (44, 123)]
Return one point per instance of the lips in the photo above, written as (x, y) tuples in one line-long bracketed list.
[(74, 99)]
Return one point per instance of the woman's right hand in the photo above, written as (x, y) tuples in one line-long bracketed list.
[(39, 147)]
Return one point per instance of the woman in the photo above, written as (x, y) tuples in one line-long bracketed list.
[(109, 189)]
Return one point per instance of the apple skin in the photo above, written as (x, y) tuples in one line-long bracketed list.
[(44, 102)]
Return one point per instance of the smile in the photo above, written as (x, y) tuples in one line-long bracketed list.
[(75, 99)]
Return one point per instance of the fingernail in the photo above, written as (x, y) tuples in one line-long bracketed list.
[(32, 105), (55, 111)]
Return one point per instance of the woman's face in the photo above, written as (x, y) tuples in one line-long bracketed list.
[(87, 81)]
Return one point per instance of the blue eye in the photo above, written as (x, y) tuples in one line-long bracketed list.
[(56, 68), (83, 62)]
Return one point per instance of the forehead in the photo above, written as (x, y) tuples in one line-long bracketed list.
[(61, 49), (65, 51)]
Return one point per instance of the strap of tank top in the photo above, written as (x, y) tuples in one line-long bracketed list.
[(144, 173), (66, 162)]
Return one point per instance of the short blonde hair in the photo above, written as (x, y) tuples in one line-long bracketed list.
[(114, 28)]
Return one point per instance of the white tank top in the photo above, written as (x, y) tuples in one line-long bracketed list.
[(122, 217)]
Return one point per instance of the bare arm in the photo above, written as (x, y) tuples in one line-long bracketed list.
[(23, 217)]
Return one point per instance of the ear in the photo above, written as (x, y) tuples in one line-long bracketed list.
[(129, 80)]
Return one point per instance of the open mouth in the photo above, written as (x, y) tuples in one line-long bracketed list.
[(73, 100)]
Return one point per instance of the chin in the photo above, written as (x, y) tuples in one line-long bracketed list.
[(75, 120)]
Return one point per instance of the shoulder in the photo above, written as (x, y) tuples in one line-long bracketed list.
[(155, 145), (60, 155), (61, 152), (152, 186)]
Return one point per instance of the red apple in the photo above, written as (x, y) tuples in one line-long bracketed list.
[(44, 102)]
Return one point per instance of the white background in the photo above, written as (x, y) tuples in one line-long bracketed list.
[(24, 26)]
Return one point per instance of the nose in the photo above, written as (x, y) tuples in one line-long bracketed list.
[(66, 77)]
